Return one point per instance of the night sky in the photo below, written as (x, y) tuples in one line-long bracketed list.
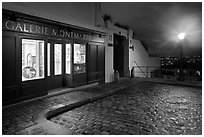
[(158, 24)]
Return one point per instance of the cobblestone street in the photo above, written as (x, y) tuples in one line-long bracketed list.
[(18, 117), (145, 109), (140, 108)]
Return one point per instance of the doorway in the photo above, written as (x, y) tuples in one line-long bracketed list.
[(55, 64), (96, 63), (118, 52)]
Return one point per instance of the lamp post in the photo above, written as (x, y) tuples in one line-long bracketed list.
[(181, 37)]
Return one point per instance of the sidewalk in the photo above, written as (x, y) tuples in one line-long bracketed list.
[(31, 117)]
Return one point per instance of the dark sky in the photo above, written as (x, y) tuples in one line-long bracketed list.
[(158, 24)]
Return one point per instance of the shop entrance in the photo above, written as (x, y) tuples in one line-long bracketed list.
[(79, 76), (57, 54)]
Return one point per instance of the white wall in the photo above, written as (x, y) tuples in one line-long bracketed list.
[(108, 64), (141, 57), (154, 61)]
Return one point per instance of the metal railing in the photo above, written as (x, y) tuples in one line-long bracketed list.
[(146, 71), (156, 71), (140, 69)]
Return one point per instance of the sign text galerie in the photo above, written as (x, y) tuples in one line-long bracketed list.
[(31, 28)]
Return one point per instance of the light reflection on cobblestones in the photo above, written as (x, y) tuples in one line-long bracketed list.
[(147, 108)]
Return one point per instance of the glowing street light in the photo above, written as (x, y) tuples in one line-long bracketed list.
[(181, 36)]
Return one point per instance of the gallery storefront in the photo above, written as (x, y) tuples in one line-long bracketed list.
[(39, 55)]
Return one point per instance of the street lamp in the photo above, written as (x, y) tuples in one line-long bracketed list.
[(181, 37)]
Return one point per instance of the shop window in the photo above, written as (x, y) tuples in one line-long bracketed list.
[(58, 59), (48, 59), (32, 59), (68, 58), (79, 58)]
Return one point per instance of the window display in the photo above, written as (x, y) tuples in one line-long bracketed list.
[(68, 58), (58, 59), (79, 58), (32, 59)]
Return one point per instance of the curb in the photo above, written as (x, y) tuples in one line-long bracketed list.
[(45, 116), (54, 94)]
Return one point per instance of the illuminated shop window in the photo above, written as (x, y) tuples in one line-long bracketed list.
[(32, 59), (79, 58), (48, 59), (68, 58), (58, 59)]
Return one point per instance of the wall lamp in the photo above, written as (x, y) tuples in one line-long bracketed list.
[(132, 47)]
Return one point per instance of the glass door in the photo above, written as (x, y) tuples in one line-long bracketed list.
[(79, 64), (79, 58), (55, 64), (68, 65)]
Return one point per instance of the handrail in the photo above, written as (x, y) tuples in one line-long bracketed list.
[(148, 66), (140, 69)]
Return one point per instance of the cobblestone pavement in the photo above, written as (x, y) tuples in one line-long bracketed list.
[(19, 117), (146, 109)]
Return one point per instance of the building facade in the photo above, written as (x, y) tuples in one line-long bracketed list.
[(43, 49)]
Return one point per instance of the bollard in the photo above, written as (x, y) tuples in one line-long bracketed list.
[(116, 76), (132, 73)]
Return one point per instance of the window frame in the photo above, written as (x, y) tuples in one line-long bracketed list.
[(44, 57), (70, 57), (61, 57)]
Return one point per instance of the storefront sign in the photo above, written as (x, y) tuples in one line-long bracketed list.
[(42, 30)]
